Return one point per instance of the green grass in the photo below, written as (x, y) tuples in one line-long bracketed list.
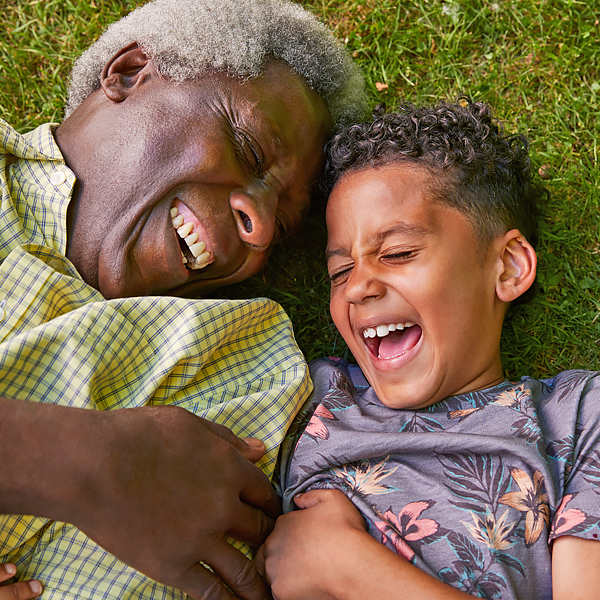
[(535, 61)]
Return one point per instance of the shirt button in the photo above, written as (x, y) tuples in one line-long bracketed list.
[(58, 177), (2, 314)]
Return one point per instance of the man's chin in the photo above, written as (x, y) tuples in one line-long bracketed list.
[(251, 265), (131, 282)]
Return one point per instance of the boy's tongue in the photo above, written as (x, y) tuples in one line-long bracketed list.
[(398, 342)]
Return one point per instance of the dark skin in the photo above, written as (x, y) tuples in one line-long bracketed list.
[(141, 483), (159, 487), (227, 150)]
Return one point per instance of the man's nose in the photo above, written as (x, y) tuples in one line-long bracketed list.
[(254, 212)]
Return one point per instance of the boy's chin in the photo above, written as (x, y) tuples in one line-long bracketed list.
[(404, 395)]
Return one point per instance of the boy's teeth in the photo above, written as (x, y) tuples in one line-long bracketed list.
[(177, 221), (383, 330), (174, 212)]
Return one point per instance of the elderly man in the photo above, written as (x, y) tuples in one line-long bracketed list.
[(193, 135)]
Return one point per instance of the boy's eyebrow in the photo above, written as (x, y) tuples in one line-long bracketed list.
[(411, 229), (405, 228)]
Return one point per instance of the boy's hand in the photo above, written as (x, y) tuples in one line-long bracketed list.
[(22, 590), (325, 553), (309, 550)]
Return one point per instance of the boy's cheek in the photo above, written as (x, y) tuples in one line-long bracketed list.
[(341, 321)]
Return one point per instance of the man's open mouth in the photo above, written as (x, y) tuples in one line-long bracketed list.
[(392, 340), (194, 252)]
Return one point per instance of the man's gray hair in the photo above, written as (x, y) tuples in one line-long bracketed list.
[(187, 38)]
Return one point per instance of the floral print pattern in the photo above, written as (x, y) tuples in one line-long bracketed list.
[(532, 501), (472, 489), (407, 527)]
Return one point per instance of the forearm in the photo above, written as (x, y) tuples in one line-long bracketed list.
[(368, 569), (575, 568), (157, 487), (45, 450)]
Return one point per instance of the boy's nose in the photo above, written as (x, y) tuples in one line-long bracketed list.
[(363, 285), (254, 213)]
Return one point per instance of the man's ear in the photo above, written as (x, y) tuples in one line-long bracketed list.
[(122, 72), (518, 266)]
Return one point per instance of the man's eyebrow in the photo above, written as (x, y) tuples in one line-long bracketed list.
[(411, 229)]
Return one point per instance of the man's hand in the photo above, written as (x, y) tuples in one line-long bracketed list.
[(157, 487)]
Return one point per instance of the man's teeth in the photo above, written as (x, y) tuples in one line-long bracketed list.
[(191, 239), (383, 330), (185, 229), (197, 248)]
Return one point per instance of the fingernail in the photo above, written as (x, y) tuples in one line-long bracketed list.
[(255, 443), (10, 569), (35, 587)]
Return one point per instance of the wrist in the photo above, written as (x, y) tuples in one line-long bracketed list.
[(46, 453), (349, 573)]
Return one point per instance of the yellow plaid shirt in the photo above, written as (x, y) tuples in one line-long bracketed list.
[(233, 362)]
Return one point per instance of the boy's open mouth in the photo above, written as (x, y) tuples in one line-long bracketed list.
[(391, 341)]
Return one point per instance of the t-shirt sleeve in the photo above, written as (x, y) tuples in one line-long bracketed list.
[(578, 513)]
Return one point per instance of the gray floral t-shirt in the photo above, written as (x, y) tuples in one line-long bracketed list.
[(472, 489)]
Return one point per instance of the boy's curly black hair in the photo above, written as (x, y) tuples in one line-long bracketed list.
[(473, 165)]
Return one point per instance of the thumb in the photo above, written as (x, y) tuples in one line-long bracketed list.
[(250, 448), (259, 560), (254, 449), (312, 498), (200, 583)]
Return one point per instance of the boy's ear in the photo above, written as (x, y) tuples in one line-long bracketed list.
[(518, 266), (122, 72)]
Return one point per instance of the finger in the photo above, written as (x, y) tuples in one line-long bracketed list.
[(239, 573), (259, 492), (201, 584), (313, 497), (251, 525), (7, 571), (259, 562), (22, 590), (256, 449), (250, 448)]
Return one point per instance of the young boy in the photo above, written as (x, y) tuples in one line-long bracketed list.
[(474, 485)]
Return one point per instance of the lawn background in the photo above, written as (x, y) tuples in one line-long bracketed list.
[(536, 62)]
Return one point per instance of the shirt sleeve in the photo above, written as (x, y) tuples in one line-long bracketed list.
[(579, 511)]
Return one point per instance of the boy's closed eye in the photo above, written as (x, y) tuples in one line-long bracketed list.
[(338, 274), (398, 254)]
